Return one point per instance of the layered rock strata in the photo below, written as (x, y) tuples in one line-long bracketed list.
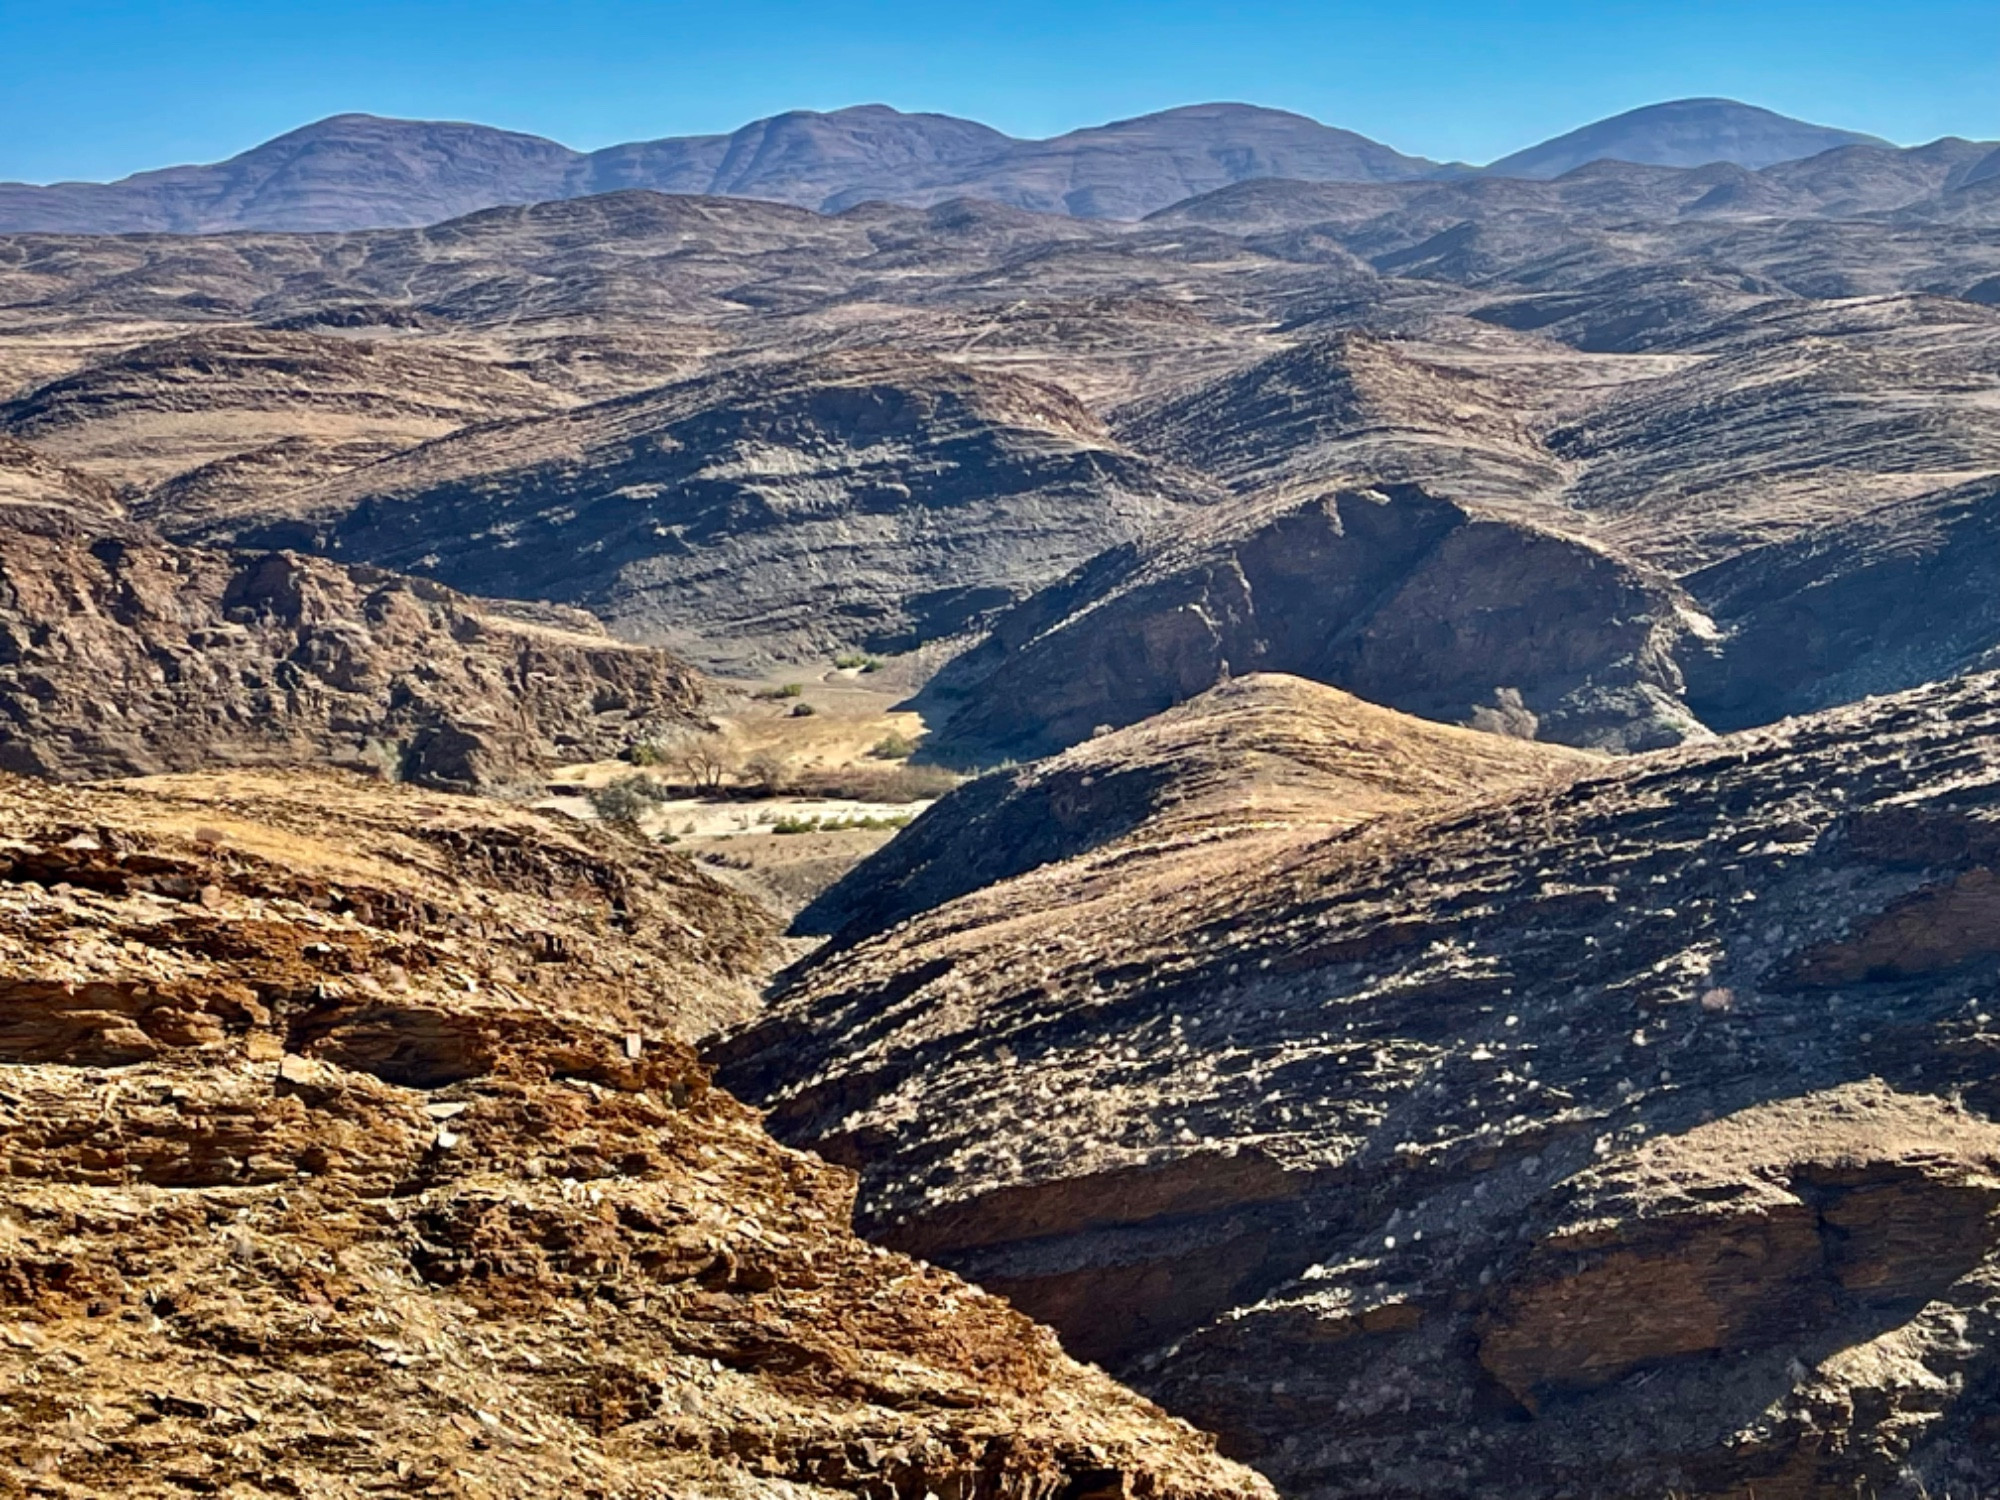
[(1624, 1137), (121, 653), (353, 1147)]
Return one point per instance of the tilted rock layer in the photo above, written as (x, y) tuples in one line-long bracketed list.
[(1391, 593), (1625, 1137), (121, 653), (352, 1148)]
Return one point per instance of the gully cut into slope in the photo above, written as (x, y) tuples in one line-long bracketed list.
[(353, 1146), (869, 499), (1628, 1137)]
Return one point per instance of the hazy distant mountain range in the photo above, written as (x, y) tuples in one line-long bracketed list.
[(358, 171)]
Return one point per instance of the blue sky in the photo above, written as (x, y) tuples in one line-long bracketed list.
[(98, 88)]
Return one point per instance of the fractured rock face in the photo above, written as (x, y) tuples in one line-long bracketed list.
[(352, 1142), (1392, 594), (121, 653), (32, 480), (865, 498), (1619, 1138)]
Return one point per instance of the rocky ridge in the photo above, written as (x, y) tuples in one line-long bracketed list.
[(1359, 1151), (165, 410), (123, 654), (1394, 594), (353, 1147), (1260, 755), (863, 498)]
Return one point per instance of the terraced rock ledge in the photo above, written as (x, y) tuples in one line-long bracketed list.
[(354, 1146)]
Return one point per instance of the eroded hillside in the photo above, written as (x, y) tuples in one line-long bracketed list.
[(354, 1147), (1628, 1135), (122, 654)]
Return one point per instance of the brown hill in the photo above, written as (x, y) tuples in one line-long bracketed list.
[(1393, 594), (31, 480), (352, 1146), (1355, 405), (1260, 754), (868, 499), (1618, 1138), (121, 653), (324, 402)]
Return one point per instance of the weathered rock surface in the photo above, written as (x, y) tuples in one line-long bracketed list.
[(1261, 754), (1901, 595), (866, 499), (1797, 421), (32, 480), (123, 654), (1359, 406), (1628, 1137), (1393, 594), (159, 411), (352, 1146)]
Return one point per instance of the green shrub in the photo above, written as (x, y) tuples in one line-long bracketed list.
[(833, 824), (624, 800), (894, 746), (784, 690)]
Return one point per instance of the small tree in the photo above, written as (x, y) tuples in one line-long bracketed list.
[(768, 773), (706, 763)]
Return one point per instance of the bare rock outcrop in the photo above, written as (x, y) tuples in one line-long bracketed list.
[(1624, 1137), (146, 415), (1441, 411), (868, 498), (352, 1146), (123, 654), (32, 480), (1392, 594)]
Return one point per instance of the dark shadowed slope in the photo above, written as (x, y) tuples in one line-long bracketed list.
[(1393, 594), (865, 499), (1623, 1139)]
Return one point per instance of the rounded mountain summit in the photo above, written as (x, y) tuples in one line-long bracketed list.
[(1682, 133)]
